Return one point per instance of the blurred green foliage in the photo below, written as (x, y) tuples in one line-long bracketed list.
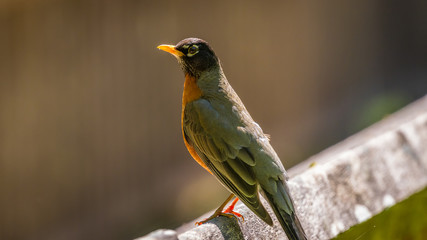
[(379, 107), (405, 220)]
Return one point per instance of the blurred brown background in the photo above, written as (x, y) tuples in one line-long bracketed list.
[(90, 138)]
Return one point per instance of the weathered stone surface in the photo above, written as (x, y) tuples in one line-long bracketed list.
[(349, 183), (164, 234)]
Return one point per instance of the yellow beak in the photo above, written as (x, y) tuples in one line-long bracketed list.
[(170, 49)]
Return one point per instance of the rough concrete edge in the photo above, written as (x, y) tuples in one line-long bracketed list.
[(351, 181)]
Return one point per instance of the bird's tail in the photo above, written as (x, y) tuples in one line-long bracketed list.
[(284, 210)]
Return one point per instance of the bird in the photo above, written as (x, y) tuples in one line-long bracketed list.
[(222, 137)]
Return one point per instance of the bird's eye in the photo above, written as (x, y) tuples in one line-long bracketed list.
[(192, 50)]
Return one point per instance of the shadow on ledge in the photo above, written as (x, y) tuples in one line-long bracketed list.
[(229, 227)]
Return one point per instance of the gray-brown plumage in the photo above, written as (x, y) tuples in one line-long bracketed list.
[(223, 137)]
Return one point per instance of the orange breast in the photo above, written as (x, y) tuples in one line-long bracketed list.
[(191, 92)]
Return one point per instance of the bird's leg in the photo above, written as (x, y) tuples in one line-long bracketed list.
[(231, 208), (228, 212)]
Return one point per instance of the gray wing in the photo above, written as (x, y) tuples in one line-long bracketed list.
[(223, 148)]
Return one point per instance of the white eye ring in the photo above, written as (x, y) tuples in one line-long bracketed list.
[(193, 50)]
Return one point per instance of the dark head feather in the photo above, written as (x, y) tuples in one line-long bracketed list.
[(203, 60)]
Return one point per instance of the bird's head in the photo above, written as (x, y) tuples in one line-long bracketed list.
[(194, 55)]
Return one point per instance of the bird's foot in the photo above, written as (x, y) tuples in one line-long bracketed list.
[(230, 209), (227, 213)]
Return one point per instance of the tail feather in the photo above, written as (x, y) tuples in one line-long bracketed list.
[(283, 208)]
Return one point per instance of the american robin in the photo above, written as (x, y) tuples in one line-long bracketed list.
[(222, 137)]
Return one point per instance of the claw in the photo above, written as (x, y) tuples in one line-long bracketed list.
[(231, 208), (227, 212)]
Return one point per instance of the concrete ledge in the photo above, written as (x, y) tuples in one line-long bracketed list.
[(349, 183)]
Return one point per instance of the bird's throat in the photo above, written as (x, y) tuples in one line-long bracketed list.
[(191, 90)]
